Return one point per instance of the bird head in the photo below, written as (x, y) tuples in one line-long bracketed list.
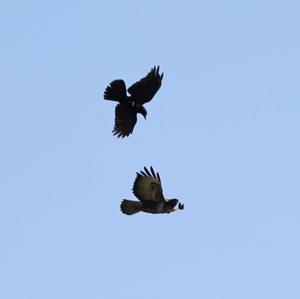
[(172, 203), (141, 109)]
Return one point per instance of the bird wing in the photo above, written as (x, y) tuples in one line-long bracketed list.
[(147, 186), (144, 90), (125, 120)]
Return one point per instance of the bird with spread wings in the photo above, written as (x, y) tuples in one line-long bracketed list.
[(148, 189), (128, 107)]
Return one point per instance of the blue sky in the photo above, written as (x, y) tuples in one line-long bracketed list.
[(223, 131)]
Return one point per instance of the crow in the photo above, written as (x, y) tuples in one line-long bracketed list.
[(148, 189), (128, 107)]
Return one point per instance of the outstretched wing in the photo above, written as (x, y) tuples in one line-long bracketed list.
[(125, 120), (147, 186), (145, 89)]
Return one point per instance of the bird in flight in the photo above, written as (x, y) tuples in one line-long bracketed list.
[(128, 107), (148, 189)]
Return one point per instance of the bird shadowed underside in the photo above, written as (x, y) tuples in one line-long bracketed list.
[(128, 107), (148, 189)]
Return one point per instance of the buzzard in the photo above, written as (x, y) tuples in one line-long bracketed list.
[(147, 188), (128, 107)]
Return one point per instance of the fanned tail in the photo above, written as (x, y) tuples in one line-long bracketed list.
[(115, 91), (130, 207)]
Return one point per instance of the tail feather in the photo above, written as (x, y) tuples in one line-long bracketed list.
[(130, 207), (116, 91)]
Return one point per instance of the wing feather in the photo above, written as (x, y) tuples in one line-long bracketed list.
[(158, 177), (147, 171), (147, 187), (144, 90), (125, 120), (153, 172)]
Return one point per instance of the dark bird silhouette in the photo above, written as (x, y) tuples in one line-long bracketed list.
[(128, 107), (148, 189)]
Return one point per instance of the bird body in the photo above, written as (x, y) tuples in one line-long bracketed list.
[(148, 189), (128, 107)]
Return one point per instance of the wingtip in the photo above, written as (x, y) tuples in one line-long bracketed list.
[(158, 176), (119, 134), (147, 171), (153, 172), (155, 69)]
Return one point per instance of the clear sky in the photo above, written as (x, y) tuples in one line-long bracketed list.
[(223, 131)]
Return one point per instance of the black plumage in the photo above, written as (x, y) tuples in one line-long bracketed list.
[(148, 189), (128, 107)]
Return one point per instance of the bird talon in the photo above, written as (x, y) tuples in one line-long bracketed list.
[(181, 206)]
